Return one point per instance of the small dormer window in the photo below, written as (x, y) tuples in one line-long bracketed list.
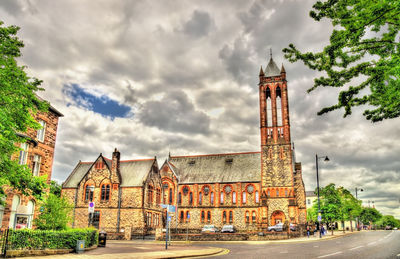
[(229, 160), (192, 162)]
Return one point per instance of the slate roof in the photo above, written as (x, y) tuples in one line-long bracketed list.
[(133, 172), (222, 168), (310, 194), (272, 69)]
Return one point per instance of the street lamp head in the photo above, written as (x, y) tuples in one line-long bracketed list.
[(326, 159), (361, 190)]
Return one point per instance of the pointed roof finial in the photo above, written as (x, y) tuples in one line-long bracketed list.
[(261, 71), (283, 69), (270, 53)]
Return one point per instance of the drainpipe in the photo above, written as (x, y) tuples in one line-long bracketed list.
[(119, 207)]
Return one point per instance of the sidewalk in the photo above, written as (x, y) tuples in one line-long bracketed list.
[(122, 249), (140, 249)]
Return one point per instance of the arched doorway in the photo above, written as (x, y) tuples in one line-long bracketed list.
[(277, 217)]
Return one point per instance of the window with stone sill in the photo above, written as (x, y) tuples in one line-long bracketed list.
[(224, 216), (234, 197), (41, 132), (257, 197), (179, 198), (190, 198), (230, 216), (247, 217), (36, 165), (253, 216), (89, 192), (212, 198), (23, 154), (105, 192), (200, 198), (208, 216)]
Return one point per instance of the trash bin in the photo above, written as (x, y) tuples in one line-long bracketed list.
[(102, 239), (80, 246)]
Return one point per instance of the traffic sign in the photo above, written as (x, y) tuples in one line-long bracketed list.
[(188, 216), (91, 207), (319, 218), (169, 218)]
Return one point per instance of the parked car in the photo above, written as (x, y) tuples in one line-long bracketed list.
[(277, 227), (228, 229), (293, 227), (209, 229)]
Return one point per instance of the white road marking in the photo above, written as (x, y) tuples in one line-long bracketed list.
[(357, 247), (316, 246), (284, 252), (322, 256), (398, 255), (372, 243)]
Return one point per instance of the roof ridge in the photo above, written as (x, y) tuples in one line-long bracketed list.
[(136, 160), (219, 154)]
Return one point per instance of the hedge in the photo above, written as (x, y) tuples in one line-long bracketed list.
[(29, 239)]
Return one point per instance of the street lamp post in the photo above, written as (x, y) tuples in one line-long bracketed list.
[(319, 205), (358, 222)]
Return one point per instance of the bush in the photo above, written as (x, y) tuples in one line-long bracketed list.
[(29, 239)]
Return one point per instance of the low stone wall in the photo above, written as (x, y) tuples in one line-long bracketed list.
[(23, 253), (231, 236)]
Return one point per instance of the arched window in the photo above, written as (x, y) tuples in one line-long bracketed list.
[(187, 216), (179, 198), (253, 216), (269, 193), (257, 197), (212, 198), (105, 192), (200, 198), (202, 216), (244, 197), (230, 216), (234, 197), (269, 108), (182, 216), (277, 192), (170, 196), (89, 189), (158, 196), (279, 106), (286, 192), (224, 216), (247, 217), (222, 198), (208, 216), (190, 198), (14, 206)]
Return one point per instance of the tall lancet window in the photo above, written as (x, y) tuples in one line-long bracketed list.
[(279, 106), (269, 108)]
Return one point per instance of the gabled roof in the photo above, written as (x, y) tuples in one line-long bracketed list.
[(222, 168), (272, 69), (133, 172)]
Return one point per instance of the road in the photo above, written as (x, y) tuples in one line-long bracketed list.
[(365, 244)]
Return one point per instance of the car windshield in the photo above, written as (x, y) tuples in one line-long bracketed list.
[(227, 226)]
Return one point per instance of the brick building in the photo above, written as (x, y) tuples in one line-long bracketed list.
[(249, 190), (38, 153), (126, 194)]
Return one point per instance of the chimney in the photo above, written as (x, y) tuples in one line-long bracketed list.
[(116, 155)]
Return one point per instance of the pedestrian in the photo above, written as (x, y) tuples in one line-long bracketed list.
[(322, 230), (308, 231)]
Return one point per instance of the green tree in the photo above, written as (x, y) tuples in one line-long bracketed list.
[(330, 203), (351, 207), (55, 188), (369, 216), (363, 57), (55, 213), (388, 221), (18, 104)]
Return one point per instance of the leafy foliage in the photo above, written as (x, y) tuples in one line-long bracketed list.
[(18, 104), (351, 207), (55, 188), (369, 215), (363, 54), (49, 239), (388, 221), (55, 215)]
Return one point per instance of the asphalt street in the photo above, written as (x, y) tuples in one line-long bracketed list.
[(365, 244)]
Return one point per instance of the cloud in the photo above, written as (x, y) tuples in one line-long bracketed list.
[(199, 25), (183, 78)]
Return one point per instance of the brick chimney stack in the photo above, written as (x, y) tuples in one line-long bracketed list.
[(116, 155)]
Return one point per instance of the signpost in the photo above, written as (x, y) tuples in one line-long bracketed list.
[(170, 208), (91, 212)]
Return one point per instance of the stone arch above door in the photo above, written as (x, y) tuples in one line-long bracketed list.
[(277, 217)]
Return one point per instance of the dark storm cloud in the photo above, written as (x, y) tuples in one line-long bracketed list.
[(199, 24), (175, 112)]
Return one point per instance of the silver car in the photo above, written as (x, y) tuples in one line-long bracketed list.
[(277, 227)]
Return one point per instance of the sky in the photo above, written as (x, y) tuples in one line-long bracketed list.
[(153, 77)]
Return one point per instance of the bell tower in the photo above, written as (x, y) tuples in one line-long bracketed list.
[(277, 178)]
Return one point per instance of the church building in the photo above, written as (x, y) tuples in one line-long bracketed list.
[(250, 190)]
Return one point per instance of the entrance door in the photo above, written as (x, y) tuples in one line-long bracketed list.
[(277, 217)]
